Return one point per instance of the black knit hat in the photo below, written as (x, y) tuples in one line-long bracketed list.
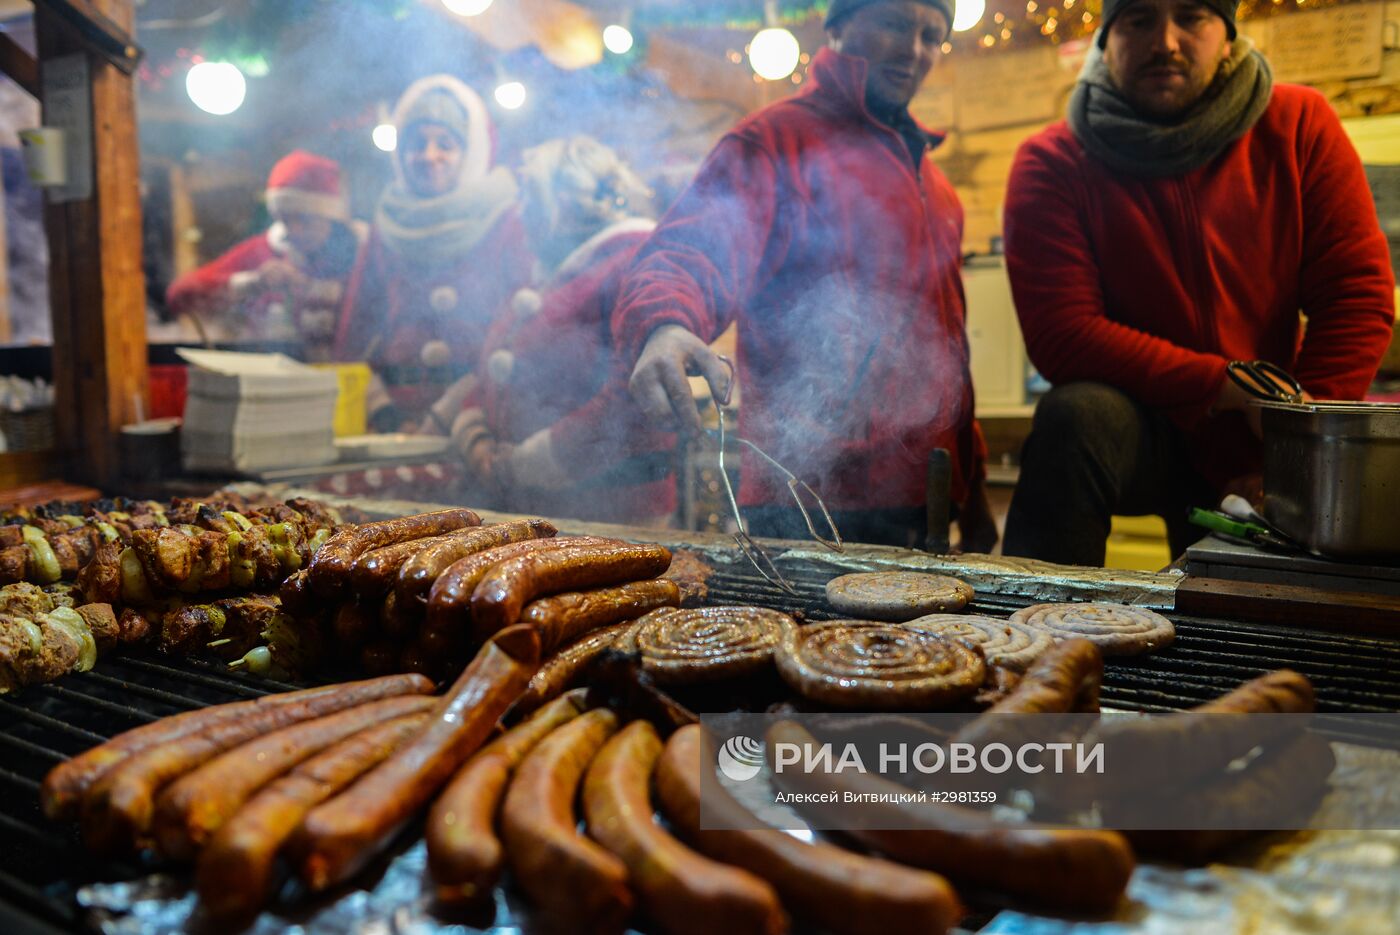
[(840, 9), (1111, 9)]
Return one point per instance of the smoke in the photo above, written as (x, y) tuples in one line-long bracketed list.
[(852, 358)]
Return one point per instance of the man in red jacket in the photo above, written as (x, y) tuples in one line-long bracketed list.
[(285, 284), (821, 226), (1182, 218)]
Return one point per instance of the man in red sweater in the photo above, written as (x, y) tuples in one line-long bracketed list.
[(1183, 217), (822, 227)]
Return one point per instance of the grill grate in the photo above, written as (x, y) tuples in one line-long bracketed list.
[(1353, 674), (42, 863)]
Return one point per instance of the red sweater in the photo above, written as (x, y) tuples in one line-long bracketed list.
[(208, 292), (393, 309), (839, 254), (1152, 285), (549, 364)]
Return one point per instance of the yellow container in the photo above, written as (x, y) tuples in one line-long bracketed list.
[(352, 403), (1138, 543)]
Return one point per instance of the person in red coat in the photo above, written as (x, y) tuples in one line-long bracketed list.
[(821, 226), (446, 250), (1181, 218), (553, 430), (286, 284)]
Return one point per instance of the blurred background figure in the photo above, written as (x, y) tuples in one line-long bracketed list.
[(446, 250), (552, 428), (285, 285)]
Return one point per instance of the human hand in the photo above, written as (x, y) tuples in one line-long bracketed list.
[(659, 385), (281, 275), (1234, 398)]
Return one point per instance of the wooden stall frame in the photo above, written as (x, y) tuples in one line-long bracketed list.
[(96, 282)]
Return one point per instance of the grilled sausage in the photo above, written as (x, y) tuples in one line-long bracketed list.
[(449, 599), (296, 594), (117, 809), (68, 783), (330, 568), (678, 888), (507, 588), (418, 574), (193, 807), (564, 618), (355, 624), (827, 886), (464, 854), (561, 670), (569, 877), (339, 837), (1060, 869), (235, 872), (1157, 751), (376, 573)]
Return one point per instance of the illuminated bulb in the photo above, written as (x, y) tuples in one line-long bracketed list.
[(773, 53), (511, 95), (386, 137), (216, 88), (467, 7), (618, 39), (968, 13), (988, 41)]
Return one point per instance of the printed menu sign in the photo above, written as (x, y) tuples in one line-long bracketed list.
[(1327, 45)]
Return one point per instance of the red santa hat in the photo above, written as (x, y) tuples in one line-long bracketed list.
[(305, 183)]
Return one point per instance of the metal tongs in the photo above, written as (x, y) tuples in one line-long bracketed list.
[(1264, 380), (757, 557)]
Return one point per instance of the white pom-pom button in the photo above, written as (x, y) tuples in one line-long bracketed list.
[(443, 299), (527, 302), (500, 365), (435, 354)]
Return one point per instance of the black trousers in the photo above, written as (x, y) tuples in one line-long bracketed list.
[(1094, 452)]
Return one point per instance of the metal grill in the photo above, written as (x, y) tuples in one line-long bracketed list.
[(41, 862), (1352, 674)]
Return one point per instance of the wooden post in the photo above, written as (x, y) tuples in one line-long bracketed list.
[(96, 283)]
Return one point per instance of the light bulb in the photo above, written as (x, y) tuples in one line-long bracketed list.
[(216, 88), (968, 13), (511, 95), (773, 53), (618, 39), (467, 7), (386, 137)]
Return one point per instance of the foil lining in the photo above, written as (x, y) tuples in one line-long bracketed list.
[(1312, 883)]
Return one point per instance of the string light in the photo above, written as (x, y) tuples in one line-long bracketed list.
[(386, 137), (511, 95)]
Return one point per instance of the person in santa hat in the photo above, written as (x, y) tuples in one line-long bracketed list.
[(446, 250), (286, 284), (553, 429)]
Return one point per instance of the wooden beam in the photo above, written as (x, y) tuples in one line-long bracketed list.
[(19, 65), (1288, 605), (96, 30), (96, 282)]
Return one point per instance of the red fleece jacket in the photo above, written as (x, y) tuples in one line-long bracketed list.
[(549, 364), (1153, 285), (839, 254)]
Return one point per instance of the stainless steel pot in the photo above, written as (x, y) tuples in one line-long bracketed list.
[(1332, 477)]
